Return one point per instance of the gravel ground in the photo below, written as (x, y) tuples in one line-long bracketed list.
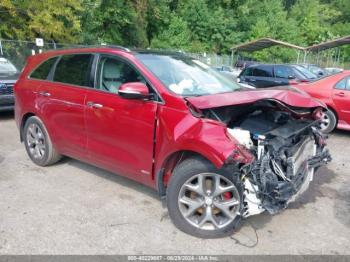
[(75, 208)]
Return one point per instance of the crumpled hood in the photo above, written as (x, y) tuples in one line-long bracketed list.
[(288, 95)]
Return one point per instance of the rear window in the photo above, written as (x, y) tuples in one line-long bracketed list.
[(74, 69), (263, 71), (6, 66), (308, 74), (42, 72)]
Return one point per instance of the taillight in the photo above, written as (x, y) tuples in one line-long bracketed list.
[(293, 82), (299, 81)]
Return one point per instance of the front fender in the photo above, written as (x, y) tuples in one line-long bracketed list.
[(181, 131)]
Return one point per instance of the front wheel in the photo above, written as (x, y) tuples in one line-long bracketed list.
[(328, 121), (204, 201)]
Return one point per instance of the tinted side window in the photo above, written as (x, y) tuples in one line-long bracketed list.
[(247, 72), (44, 69), (342, 84), (263, 71), (74, 69), (283, 72)]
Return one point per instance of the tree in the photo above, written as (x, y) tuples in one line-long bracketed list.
[(50, 19), (313, 20), (176, 36)]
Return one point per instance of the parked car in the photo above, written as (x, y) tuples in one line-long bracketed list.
[(333, 70), (267, 75), (215, 151), (334, 91), (8, 77), (231, 72), (245, 63), (316, 70)]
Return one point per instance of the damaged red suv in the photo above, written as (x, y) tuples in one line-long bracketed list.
[(216, 152)]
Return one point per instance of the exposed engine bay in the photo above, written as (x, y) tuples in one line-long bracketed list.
[(287, 145)]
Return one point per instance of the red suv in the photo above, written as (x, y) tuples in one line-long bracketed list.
[(216, 152)]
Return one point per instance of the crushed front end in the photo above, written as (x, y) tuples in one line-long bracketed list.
[(283, 169), (287, 147)]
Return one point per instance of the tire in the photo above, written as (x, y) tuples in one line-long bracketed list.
[(38, 143), (184, 175), (328, 122)]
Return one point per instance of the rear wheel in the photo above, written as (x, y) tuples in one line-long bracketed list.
[(38, 143), (204, 201), (328, 121)]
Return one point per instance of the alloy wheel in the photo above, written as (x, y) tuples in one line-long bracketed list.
[(325, 121), (36, 141), (209, 201)]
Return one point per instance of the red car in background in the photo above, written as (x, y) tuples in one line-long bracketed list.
[(334, 91), (215, 151)]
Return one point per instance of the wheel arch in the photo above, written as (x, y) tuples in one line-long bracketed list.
[(24, 119), (330, 107), (171, 161)]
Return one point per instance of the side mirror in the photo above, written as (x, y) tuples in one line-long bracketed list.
[(134, 90), (291, 77)]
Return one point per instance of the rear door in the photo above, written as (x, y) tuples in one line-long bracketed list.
[(341, 99), (283, 74), (263, 76), (120, 131), (62, 103)]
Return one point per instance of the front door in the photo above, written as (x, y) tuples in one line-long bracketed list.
[(120, 131), (341, 99)]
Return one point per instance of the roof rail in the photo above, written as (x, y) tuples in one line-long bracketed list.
[(91, 46), (114, 46)]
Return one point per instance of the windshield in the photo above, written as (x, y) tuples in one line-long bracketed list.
[(306, 72), (6, 66), (186, 76)]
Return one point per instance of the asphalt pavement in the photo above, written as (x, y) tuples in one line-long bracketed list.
[(76, 208)]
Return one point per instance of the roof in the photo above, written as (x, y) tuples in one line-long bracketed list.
[(329, 44), (98, 48), (263, 43)]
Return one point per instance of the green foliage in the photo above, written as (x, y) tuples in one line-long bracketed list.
[(176, 36), (112, 22), (50, 19), (190, 25)]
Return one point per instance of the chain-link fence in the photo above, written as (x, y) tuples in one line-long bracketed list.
[(18, 51), (215, 60)]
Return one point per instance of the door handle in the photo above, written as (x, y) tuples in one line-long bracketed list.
[(44, 93), (252, 80), (340, 94), (94, 105), (278, 82)]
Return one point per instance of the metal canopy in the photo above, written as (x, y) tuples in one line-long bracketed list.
[(329, 44), (263, 43)]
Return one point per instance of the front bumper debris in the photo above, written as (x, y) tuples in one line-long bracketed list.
[(272, 193)]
